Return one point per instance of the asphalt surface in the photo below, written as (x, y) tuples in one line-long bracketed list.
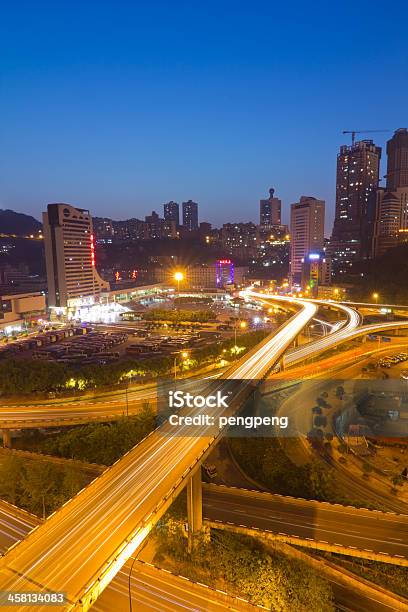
[(152, 589), (351, 527), (84, 544)]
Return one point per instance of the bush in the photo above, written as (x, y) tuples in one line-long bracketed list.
[(102, 442), (266, 578)]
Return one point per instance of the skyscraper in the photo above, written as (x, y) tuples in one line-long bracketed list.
[(306, 233), (172, 212), (358, 168), (70, 256), (270, 211), (190, 215), (391, 204), (397, 160)]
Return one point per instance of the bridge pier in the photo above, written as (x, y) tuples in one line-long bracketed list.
[(6, 435), (194, 507), (363, 339), (296, 342)]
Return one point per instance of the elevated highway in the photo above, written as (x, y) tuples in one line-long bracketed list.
[(85, 410), (370, 534), (156, 590), (351, 329), (152, 589), (80, 548)]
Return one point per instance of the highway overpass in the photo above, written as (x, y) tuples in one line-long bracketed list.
[(347, 530), (81, 547), (85, 410), (152, 588), (156, 589)]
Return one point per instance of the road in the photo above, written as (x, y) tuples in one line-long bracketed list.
[(114, 405), (346, 526), (155, 590), (81, 547), (152, 589)]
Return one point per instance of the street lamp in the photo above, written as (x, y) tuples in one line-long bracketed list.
[(179, 276), (127, 399), (242, 325), (375, 297), (184, 355)]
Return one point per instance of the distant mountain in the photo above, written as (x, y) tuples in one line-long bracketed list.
[(17, 223)]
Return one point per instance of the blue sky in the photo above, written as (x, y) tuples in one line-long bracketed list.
[(119, 107)]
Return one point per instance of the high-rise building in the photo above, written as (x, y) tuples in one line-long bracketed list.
[(70, 256), (172, 212), (306, 233), (386, 222), (397, 160), (190, 215), (358, 169), (270, 211), (154, 226), (391, 220)]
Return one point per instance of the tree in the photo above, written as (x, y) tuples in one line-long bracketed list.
[(73, 480), (321, 480), (340, 391), (10, 478), (39, 480)]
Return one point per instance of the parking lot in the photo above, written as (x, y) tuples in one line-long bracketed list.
[(69, 345)]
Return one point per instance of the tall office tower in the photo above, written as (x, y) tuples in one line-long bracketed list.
[(270, 211), (171, 212), (70, 256), (397, 160), (358, 169), (306, 233), (190, 215)]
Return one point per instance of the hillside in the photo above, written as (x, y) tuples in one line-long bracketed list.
[(18, 223)]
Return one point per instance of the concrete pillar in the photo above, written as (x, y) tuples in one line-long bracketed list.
[(363, 339), (6, 435), (282, 364), (296, 342), (194, 507)]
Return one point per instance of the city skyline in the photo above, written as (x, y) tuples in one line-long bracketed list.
[(85, 121)]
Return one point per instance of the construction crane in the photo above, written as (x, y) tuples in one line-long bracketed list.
[(354, 132)]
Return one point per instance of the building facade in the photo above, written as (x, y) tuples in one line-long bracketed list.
[(70, 256), (172, 212), (306, 233), (397, 160), (386, 222), (358, 172), (190, 215), (316, 272), (270, 211)]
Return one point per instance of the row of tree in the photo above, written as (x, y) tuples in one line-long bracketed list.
[(265, 460), (160, 314), (102, 443), (38, 486)]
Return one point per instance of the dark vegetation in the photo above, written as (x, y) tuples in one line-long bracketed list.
[(38, 486), (242, 565)]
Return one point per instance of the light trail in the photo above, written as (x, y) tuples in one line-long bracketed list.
[(80, 548)]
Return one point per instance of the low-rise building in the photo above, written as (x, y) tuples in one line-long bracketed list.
[(18, 309)]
